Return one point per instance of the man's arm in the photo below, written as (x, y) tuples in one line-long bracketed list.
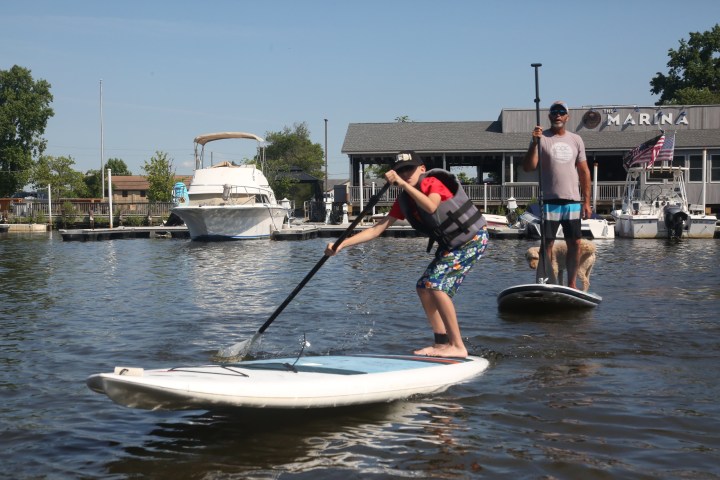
[(530, 161)]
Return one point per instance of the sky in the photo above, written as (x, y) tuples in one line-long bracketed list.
[(174, 69)]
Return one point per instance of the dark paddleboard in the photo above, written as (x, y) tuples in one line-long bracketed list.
[(545, 297)]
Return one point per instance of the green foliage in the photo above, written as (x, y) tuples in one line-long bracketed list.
[(58, 173), (93, 178), (463, 178), (403, 119), (93, 183), (24, 112), (68, 215), (292, 148), (161, 177), (38, 216), (117, 167), (376, 171), (694, 71), (134, 220), (695, 96)]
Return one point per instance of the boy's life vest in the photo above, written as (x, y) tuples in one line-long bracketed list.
[(456, 220)]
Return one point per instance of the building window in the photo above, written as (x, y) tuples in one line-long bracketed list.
[(142, 193), (696, 171), (715, 168), (124, 193)]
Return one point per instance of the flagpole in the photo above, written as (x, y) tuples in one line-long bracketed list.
[(102, 145)]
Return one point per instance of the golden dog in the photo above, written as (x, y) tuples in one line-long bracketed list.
[(559, 264)]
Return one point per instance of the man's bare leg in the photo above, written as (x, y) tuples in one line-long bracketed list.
[(572, 260)]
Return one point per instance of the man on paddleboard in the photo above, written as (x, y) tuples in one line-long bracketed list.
[(434, 203), (564, 167)]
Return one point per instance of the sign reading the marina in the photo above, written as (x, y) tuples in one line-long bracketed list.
[(643, 118)]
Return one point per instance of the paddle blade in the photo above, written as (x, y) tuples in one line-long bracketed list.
[(239, 349)]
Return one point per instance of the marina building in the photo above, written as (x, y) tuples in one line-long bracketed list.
[(491, 152)]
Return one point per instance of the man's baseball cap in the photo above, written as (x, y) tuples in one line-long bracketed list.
[(559, 104)]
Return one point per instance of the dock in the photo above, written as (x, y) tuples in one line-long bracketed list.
[(121, 233), (303, 231), (293, 232)]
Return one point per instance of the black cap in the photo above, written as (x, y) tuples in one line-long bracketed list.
[(406, 159)]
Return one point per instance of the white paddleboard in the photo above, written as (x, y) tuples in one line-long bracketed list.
[(286, 383), (541, 297)]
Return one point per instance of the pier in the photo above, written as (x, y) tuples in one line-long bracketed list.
[(294, 232)]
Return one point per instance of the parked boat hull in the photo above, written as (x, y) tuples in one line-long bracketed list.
[(650, 226), (231, 222), (593, 228)]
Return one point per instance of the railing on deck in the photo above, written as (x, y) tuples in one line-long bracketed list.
[(493, 195), (99, 209)]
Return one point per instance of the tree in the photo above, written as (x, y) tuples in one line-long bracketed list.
[(694, 71), (292, 148), (58, 173), (93, 178), (403, 119), (161, 177), (117, 167), (24, 112)]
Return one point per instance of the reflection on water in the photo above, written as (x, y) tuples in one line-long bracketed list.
[(386, 439), (625, 390)]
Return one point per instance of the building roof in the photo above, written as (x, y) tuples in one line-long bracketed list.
[(699, 131)]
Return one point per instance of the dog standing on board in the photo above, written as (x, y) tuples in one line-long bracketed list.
[(559, 263)]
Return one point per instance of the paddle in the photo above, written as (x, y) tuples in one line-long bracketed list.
[(240, 349), (543, 257)]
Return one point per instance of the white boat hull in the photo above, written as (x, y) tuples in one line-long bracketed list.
[(650, 226), (231, 222), (593, 228)]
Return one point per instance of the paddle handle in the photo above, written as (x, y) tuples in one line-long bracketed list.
[(371, 203), (543, 258)]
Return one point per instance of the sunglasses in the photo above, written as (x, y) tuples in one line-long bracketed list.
[(558, 111)]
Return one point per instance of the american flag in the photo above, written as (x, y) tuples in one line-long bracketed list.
[(646, 152), (667, 151)]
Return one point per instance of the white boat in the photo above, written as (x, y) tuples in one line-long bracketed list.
[(660, 210), (594, 228), (229, 202)]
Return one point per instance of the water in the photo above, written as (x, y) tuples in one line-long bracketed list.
[(627, 390)]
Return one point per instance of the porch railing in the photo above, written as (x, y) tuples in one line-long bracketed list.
[(488, 195)]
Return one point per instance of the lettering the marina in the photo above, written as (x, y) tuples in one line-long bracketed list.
[(658, 118)]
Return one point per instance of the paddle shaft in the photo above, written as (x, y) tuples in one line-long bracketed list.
[(543, 256), (371, 203)]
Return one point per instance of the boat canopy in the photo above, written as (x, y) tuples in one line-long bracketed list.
[(210, 137)]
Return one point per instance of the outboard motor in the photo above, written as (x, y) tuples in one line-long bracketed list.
[(227, 190), (675, 220)]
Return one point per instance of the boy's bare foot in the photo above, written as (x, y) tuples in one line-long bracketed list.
[(447, 351), (426, 350)]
